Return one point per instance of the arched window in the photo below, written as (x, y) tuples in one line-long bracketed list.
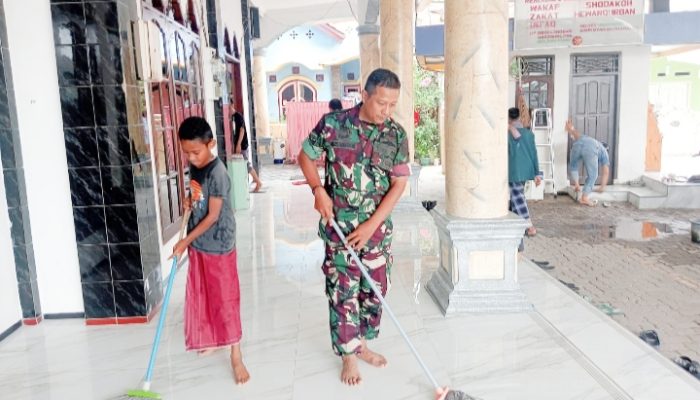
[(236, 54), (227, 42), (158, 4), (159, 35), (177, 12), (296, 90), (192, 17)]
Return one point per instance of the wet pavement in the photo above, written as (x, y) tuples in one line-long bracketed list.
[(639, 266)]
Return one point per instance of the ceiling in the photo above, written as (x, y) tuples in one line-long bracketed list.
[(279, 16)]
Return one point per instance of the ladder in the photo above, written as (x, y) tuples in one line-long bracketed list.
[(542, 128)]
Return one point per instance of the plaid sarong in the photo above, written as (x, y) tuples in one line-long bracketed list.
[(518, 203)]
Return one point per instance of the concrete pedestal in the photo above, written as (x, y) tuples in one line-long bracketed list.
[(478, 265)]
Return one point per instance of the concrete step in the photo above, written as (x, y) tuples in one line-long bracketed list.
[(642, 197), (647, 202), (654, 182)]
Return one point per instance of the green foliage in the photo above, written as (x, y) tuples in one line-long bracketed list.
[(426, 99)]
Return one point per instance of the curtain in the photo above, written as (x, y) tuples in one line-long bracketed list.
[(302, 117)]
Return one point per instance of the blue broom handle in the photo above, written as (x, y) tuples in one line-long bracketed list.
[(164, 309), (378, 292), (161, 320)]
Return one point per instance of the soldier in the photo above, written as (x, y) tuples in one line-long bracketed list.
[(366, 173)]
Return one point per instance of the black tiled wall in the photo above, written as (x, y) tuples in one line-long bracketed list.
[(16, 193), (109, 163)]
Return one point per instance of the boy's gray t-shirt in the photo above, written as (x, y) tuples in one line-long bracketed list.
[(207, 182)]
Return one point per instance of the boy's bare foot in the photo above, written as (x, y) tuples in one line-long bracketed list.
[(258, 186), (370, 357), (240, 372), (350, 375)]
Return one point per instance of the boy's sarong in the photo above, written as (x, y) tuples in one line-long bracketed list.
[(212, 301)]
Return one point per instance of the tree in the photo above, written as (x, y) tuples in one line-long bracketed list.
[(426, 98)]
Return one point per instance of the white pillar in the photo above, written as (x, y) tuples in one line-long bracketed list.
[(262, 123), (30, 32)]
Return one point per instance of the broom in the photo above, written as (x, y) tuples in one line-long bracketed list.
[(441, 393), (145, 391)]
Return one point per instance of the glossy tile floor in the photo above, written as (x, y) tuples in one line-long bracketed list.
[(565, 349)]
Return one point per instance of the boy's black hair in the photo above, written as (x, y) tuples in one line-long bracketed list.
[(335, 105), (195, 128), (383, 78), (513, 113)]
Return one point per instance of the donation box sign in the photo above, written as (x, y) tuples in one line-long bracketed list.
[(577, 23)]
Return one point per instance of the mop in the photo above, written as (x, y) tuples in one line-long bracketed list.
[(440, 392), (145, 391)]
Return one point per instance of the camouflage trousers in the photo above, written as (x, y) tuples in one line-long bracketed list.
[(355, 311)]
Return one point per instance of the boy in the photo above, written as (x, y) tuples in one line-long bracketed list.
[(212, 296)]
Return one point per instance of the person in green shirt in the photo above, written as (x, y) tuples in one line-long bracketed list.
[(522, 166)]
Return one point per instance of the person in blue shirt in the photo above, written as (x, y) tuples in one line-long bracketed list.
[(595, 159), (522, 166)]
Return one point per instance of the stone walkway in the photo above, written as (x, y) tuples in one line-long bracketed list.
[(639, 266)]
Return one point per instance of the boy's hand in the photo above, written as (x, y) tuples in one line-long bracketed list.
[(538, 180), (323, 203), (178, 249), (187, 203), (358, 238), (237, 150)]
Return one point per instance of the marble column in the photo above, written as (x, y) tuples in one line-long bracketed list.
[(478, 235), (369, 51), (260, 92), (397, 31)]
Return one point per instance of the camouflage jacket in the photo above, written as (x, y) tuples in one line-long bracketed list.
[(361, 159)]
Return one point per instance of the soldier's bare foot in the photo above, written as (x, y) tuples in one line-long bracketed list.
[(350, 375), (240, 372), (371, 358)]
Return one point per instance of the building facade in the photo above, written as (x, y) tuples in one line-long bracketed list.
[(93, 177)]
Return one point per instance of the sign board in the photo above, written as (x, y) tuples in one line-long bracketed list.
[(577, 23)]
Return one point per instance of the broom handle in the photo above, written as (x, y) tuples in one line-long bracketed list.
[(164, 309), (377, 292)]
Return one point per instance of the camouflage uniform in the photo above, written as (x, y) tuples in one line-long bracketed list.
[(361, 159)]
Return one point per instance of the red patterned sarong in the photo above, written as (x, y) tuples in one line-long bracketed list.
[(212, 301)]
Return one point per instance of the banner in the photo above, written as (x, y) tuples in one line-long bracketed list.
[(577, 23)]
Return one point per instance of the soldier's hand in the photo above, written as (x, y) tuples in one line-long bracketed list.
[(323, 203), (358, 238)]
